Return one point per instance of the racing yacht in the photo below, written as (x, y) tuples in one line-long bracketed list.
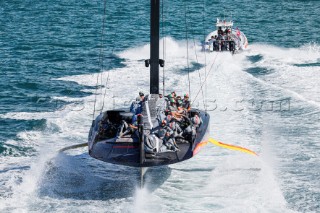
[(143, 146)]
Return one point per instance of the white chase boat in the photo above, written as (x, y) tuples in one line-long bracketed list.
[(225, 38)]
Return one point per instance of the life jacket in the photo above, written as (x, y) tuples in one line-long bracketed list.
[(136, 107), (186, 105), (175, 127)]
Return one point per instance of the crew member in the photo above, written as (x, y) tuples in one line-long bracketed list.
[(212, 42), (220, 32), (186, 103), (141, 96)]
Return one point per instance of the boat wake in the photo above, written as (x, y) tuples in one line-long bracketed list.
[(225, 181)]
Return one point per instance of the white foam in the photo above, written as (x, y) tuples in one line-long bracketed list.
[(302, 82), (229, 182)]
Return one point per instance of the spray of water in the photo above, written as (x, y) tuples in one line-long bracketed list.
[(215, 180)]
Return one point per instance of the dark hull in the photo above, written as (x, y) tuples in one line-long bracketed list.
[(128, 153)]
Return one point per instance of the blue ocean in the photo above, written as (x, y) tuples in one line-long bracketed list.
[(63, 62)]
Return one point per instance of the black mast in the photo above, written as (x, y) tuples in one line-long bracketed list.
[(154, 46)]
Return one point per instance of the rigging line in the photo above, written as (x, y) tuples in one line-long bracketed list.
[(206, 77), (195, 51), (112, 51), (102, 41), (103, 27), (100, 59), (102, 50), (205, 53), (163, 47), (185, 16), (95, 97)]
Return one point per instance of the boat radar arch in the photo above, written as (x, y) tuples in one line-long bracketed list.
[(224, 23)]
